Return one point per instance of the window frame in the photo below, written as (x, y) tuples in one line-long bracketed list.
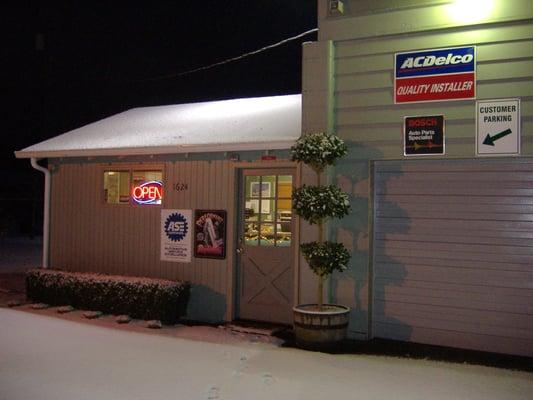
[(129, 168), (247, 195)]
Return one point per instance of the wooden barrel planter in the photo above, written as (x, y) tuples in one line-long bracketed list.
[(320, 330)]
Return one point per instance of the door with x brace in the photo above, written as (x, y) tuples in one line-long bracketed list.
[(266, 261)]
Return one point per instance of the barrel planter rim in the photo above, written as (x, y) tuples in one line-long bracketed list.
[(340, 309)]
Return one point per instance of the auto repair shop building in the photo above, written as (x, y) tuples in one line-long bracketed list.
[(435, 99), (174, 192)]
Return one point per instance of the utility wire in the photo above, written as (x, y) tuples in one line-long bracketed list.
[(271, 46)]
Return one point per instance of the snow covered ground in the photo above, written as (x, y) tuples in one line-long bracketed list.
[(43, 357)]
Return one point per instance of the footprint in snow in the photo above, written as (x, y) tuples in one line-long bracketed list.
[(267, 378), (213, 393)]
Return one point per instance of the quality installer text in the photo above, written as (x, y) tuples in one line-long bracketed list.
[(436, 87)]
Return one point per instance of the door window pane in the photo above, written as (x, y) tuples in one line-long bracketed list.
[(267, 210), (284, 186), (268, 186), (252, 185), (267, 235), (251, 234), (284, 206), (283, 239), (284, 231), (250, 211)]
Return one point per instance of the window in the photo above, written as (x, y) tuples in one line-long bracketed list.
[(138, 187), (116, 187), (268, 210), (147, 187)]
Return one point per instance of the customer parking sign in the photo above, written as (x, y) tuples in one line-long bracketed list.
[(498, 127)]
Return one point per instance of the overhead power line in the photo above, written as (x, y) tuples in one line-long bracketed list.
[(229, 60)]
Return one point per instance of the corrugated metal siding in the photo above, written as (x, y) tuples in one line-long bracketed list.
[(365, 110), (88, 235), (453, 253)]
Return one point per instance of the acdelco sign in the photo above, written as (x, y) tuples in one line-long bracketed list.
[(434, 75)]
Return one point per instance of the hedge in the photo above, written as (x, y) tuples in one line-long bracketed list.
[(142, 298)]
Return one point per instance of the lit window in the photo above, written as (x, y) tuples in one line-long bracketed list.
[(116, 187), (135, 187), (147, 187), (268, 210)]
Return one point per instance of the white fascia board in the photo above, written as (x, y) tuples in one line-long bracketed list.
[(136, 151)]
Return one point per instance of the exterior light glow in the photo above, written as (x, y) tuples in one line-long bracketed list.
[(466, 12)]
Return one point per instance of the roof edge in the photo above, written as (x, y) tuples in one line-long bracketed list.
[(136, 151)]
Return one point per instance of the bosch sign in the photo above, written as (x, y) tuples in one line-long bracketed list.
[(434, 75), (150, 192), (424, 135)]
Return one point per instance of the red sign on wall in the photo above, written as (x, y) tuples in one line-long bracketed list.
[(435, 75), (150, 192), (433, 88)]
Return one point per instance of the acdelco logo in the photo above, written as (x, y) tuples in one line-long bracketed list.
[(430, 61), (452, 60)]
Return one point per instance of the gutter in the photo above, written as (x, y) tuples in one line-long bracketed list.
[(46, 219)]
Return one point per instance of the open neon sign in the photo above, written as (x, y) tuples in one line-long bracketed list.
[(150, 192)]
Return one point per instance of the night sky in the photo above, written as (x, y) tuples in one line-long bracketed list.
[(69, 63)]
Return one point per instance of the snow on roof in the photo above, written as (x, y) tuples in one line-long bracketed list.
[(262, 123)]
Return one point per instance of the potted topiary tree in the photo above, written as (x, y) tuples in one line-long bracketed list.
[(321, 326)]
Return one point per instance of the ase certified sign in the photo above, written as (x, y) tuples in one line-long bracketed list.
[(498, 127), (435, 75)]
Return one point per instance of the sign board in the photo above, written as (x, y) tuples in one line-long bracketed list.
[(176, 234), (498, 127), (423, 135), (150, 192), (435, 75), (210, 234)]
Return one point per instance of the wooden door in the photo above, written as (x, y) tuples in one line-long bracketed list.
[(266, 258)]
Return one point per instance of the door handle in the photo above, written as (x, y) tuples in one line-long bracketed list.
[(240, 247)]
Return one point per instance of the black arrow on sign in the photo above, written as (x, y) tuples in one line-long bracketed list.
[(490, 140)]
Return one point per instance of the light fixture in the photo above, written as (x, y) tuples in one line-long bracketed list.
[(468, 12)]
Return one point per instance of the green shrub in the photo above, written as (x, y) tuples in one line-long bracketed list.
[(142, 298), (317, 203), (318, 150), (324, 258)]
